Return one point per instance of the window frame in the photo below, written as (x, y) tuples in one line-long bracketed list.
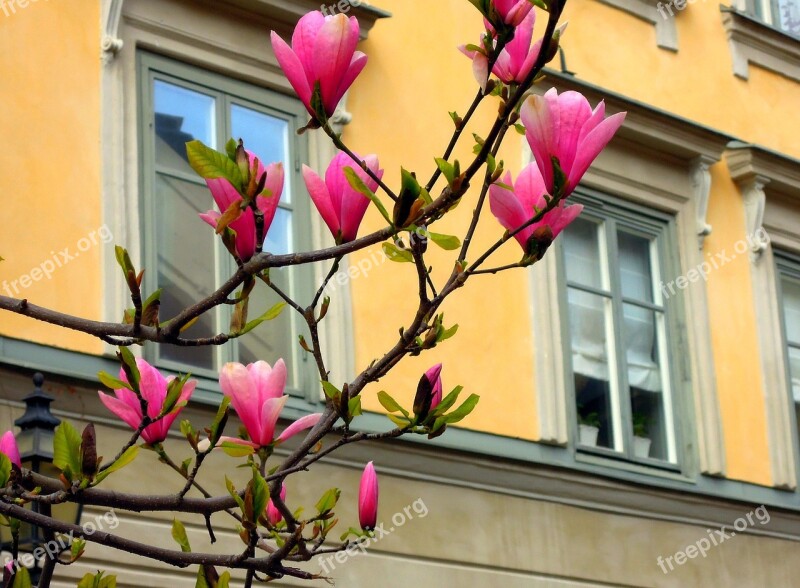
[(226, 91), (787, 265), (661, 227)]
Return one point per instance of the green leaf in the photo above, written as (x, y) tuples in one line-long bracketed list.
[(260, 494), (559, 178), (396, 254), (354, 407), (174, 389), (5, 469), (390, 404), (447, 333), (230, 148), (234, 494), (124, 459), (464, 410), (220, 420), (110, 381), (271, 314), (401, 422), (328, 501), (129, 362), (124, 260), (224, 580), (210, 164), (358, 185), (448, 401), (447, 169), (76, 549), (22, 578), (236, 449), (67, 450), (179, 534), (331, 391), (446, 242)]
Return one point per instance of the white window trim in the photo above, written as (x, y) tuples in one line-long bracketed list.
[(232, 40), (660, 161), (770, 185), (756, 42)]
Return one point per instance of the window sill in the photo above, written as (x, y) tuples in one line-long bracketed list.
[(648, 11), (752, 41)]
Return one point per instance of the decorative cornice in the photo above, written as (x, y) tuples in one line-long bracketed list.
[(746, 161), (655, 13), (111, 44), (701, 182), (753, 41)]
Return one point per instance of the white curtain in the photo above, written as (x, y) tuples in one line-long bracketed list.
[(791, 312), (587, 311), (788, 16)]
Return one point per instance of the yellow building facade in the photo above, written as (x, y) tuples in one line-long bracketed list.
[(696, 200)]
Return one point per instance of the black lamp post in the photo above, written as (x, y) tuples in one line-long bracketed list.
[(35, 441)]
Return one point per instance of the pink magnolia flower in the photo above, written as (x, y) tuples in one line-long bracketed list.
[(434, 376), (515, 207), (340, 205), (322, 57), (256, 393), (245, 226), (274, 516), (368, 498), (153, 387), (8, 447), (513, 12), (515, 61), (564, 127)]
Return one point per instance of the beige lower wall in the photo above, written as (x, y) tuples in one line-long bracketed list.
[(468, 537)]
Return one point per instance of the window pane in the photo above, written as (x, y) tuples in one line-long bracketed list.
[(595, 382), (788, 16), (794, 367), (582, 253), (272, 340), (650, 400), (184, 248), (634, 266), (264, 135), (181, 115), (279, 236), (791, 310)]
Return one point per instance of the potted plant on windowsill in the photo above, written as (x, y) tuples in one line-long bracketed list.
[(641, 440), (588, 429)]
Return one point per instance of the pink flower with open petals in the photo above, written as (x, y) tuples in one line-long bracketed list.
[(153, 388), (341, 206), (323, 55), (256, 393), (8, 447), (515, 61), (564, 127), (245, 226), (516, 206), (368, 498)]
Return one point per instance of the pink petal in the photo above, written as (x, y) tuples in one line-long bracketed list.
[(152, 386), (8, 447), (357, 65), (540, 130), (274, 516), (245, 228), (560, 217), (301, 424), (591, 147), (574, 111), (333, 52), (274, 186), (480, 69), (235, 381), (211, 217), (237, 441), (303, 40), (506, 207), (519, 47), (270, 412), (530, 190), (223, 192), (128, 415), (322, 199), (186, 394), (293, 69)]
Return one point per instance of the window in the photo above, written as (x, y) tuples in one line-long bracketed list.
[(619, 335), (182, 103), (790, 297), (782, 14)]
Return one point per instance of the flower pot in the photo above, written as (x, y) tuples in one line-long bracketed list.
[(641, 446), (588, 435)]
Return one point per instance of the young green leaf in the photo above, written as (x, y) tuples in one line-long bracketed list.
[(124, 459), (180, 536), (447, 169), (396, 254), (446, 242), (110, 381), (328, 501), (271, 314), (464, 410), (358, 185), (67, 450), (211, 164), (390, 404), (5, 469)]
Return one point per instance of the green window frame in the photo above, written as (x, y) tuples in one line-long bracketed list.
[(613, 318), (197, 103), (788, 272)]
